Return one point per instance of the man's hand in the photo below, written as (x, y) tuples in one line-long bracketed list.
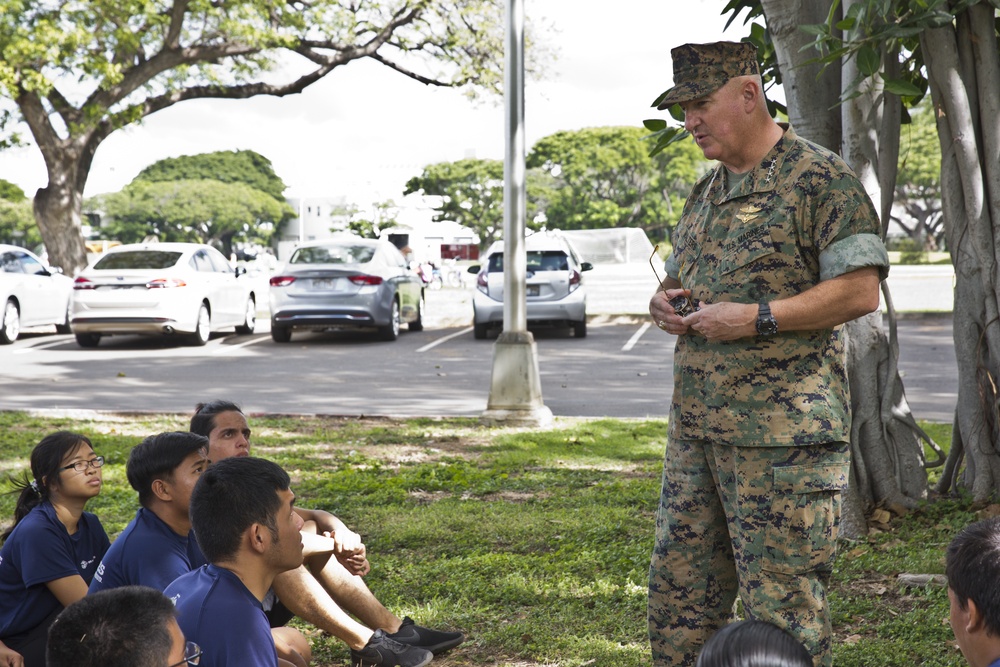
[(9, 657), (723, 321), (350, 551), (663, 313)]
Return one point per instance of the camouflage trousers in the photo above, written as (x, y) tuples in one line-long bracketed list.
[(758, 522)]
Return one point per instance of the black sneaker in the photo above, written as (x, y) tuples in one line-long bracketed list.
[(381, 651), (434, 641)]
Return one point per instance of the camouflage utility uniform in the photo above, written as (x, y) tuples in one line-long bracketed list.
[(758, 452)]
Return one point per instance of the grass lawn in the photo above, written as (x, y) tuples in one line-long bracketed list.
[(534, 543)]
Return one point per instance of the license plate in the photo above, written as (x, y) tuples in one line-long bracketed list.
[(532, 290), (322, 283)]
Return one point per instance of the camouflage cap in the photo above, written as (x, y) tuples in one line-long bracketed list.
[(700, 69)]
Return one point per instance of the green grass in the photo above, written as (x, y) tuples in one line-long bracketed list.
[(534, 543)]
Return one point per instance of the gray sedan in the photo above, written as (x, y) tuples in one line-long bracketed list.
[(346, 282)]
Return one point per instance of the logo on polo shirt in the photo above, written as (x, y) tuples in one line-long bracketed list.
[(84, 564), (175, 598)]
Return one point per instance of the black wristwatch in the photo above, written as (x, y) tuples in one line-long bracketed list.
[(766, 326)]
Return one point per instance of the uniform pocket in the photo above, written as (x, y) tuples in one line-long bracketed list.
[(750, 246), (805, 517)]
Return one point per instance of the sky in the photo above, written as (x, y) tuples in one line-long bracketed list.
[(364, 130)]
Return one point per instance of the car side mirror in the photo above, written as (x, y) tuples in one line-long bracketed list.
[(586, 266), (240, 271), (474, 268)]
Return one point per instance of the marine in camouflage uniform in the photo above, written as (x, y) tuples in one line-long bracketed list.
[(758, 443)]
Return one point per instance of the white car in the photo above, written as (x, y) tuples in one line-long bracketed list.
[(554, 290), (32, 294), (163, 289)]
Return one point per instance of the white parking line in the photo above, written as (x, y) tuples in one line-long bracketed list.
[(443, 340), (636, 336), (229, 349), (39, 346)]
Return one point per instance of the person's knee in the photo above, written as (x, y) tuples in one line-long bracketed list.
[(292, 646)]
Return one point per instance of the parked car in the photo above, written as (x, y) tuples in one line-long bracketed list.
[(161, 289), (346, 282), (553, 286), (32, 294)]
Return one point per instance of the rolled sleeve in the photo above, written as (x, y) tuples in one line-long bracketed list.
[(854, 252)]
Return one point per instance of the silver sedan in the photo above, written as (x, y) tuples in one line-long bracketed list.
[(346, 282)]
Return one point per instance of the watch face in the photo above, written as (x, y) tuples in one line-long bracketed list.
[(767, 327)]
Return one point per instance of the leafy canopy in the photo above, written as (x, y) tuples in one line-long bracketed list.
[(247, 167)]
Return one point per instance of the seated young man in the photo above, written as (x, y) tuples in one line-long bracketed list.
[(972, 564), (328, 591), (241, 512), (156, 547), (131, 626)]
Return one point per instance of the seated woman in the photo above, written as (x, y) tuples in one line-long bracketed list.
[(51, 552)]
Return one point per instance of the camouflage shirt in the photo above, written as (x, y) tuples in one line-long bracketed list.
[(799, 217)]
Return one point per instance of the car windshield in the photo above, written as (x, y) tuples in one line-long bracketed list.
[(538, 260), (334, 254), (138, 259)]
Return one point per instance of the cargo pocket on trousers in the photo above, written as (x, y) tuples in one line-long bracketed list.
[(805, 518)]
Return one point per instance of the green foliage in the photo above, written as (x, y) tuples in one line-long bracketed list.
[(192, 210), (11, 192), (471, 193), (369, 225), (17, 223), (247, 167), (535, 543), (605, 177)]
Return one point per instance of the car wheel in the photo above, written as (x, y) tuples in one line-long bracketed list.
[(10, 328), (580, 329), (280, 334), (249, 318), (418, 324), (88, 340), (391, 330), (64, 328), (204, 328), (479, 331)]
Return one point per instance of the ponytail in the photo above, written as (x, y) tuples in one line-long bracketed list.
[(30, 494)]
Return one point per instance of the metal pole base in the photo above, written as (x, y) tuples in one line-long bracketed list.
[(515, 386)]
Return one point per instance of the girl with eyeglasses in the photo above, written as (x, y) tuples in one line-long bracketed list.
[(52, 550)]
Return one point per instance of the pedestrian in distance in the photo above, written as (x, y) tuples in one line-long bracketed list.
[(129, 626), (51, 551), (777, 246)]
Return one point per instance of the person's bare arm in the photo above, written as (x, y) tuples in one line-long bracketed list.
[(68, 589), (823, 306)]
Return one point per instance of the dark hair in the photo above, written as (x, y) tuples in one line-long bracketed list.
[(229, 497), (972, 564), (46, 461), (157, 456), (119, 627), (753, 644), (203, 420)]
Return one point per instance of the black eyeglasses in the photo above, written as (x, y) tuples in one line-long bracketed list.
[(81, 466), (192, 655)]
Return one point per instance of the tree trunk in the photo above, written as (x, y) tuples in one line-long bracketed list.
[(811, 91), (963, 71), (57, 211)]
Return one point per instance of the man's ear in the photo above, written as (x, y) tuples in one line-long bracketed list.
[(259, 537), (976, 622), (161, 490)]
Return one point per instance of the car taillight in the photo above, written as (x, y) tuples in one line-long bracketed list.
[(365, 280), (161, 283), (83, 283), (574, 280), (282, 281), (483, 282)]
